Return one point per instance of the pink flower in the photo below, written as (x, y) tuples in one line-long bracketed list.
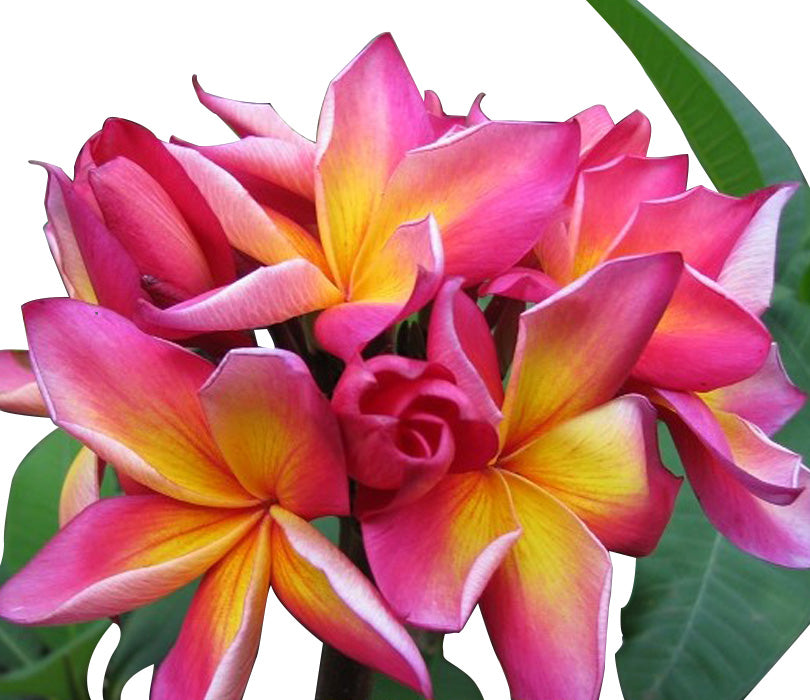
[(576, 472), (236, 460), (398, 202)]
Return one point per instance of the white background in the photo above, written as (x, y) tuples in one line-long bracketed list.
[(65, 66)]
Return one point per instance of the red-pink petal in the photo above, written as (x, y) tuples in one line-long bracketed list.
[(82, 486), (19, 392), (522, 283), (435, 581), (630, 137), (328, 595)]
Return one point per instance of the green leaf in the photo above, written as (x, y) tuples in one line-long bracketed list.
[(735, 144), (47, 662), (147, 635), (706, 620)]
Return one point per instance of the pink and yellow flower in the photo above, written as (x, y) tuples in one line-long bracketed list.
[(235, 461), (575, 472)]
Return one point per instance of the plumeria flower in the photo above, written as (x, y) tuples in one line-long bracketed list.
[(525, 528), (236, 460), (399, 204), (710, 343)]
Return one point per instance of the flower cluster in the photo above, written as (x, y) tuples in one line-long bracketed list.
[(478, 325)]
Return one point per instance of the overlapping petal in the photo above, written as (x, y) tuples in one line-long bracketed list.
[(604, 466), (435, 581), (576, 349), (277, 431), (119, 554), (19, 392), (213, 656), (131, 398), (329, 596), (546, 606), (82, 485)]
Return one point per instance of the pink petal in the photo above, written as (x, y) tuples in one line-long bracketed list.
[(133, 142), (546, 606), (277, 431), (594, 123), (604, 466), (748, 272), (435, 581), (575, 350), (266, 296), (214, 654), (768, 399), (705, 339), (131, 398), (764, 528), (94, 265), (522, 283), (459, 338), (19, 392), (630, 137), (82, 485), (119, 554), (372, 115), (606, 199), (498, 176), (250, 118), (330, 597), (144, 219)]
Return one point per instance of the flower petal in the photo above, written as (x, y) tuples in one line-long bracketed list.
[(705, 339), (214, 654), (19, 392), (120, 137), (508, 178), (594, 123), (119, 554), (768, 399), (435, 581), (522, 283), (330, 597), (278, 431), (250, 118), (459, 338), (372, 114), (82, 485), (778, 533), (575, 349), (605, 201), (546, 606), (131, 398), (94, 265), (604, 466), (630, 137), (261, 298)]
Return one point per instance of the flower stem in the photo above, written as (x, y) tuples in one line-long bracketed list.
[(339, 677)]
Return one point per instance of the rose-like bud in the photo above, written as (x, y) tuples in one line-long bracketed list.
[(406, 423)]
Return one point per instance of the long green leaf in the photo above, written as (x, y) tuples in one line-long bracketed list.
[(706, 620), (735, 144), (46, 662)]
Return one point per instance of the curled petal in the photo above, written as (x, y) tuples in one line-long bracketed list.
[(594, 123), (497, 176), (435, 581), (575, 349), (331, 598), (705, 339), (546, 606), (768, 399), (277, 431), (522, 283), (131, 398), (214, 654), (630, 137), (82, 485), (372, 115), (604, 466), (119, 554), (19, 392), (261, 298), (459, 339), (250, 118)]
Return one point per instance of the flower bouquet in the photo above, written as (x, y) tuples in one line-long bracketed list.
[(485, 335)]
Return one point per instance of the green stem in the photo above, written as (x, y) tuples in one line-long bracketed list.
[(339, 677)]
